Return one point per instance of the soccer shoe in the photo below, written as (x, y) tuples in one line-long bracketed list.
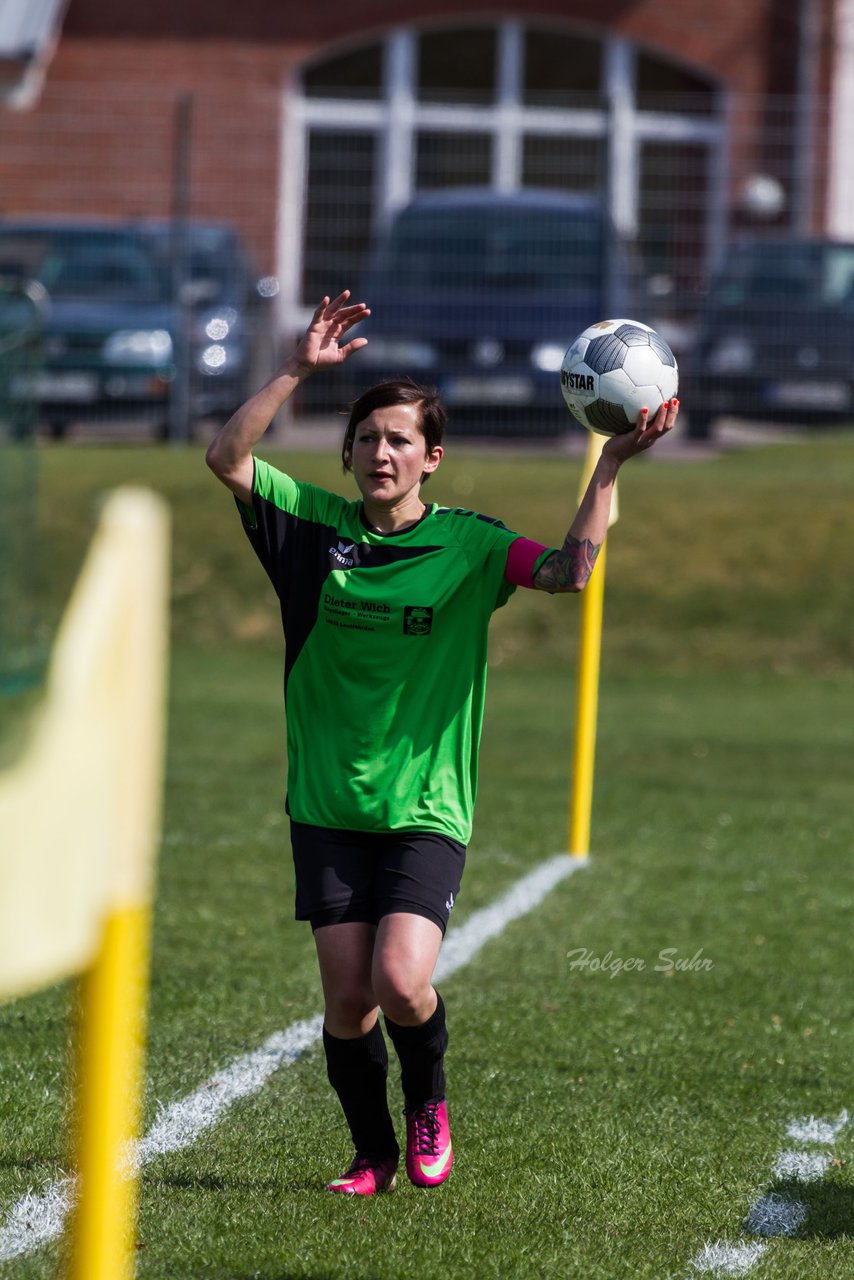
[(366, 1177), (429, 1154)]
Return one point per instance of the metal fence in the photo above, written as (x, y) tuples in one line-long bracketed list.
[(21, 644), (698, 214), (486, 218)]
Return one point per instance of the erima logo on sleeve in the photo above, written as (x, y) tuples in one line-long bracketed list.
[(417, 620)]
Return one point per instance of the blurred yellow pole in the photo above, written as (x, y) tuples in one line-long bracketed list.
[(587, 695)]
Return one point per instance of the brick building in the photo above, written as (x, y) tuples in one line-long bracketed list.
[(306, 126)]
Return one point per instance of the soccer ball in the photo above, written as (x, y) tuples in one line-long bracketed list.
[(614, 369)]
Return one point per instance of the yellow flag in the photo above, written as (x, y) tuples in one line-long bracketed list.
[(80, 811)]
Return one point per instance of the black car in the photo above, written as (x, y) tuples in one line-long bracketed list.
[(480, 294), (776, 336), (226, 311), (107, 346), (123, 317)]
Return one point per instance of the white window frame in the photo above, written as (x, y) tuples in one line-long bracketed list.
[(396, 115), (840, 200)]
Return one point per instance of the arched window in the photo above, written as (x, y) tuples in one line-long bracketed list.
[(503, 105)]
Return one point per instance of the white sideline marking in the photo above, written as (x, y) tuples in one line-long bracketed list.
[(179, 1125), (462, 944), (774, 1214), (722, 1259), (802, 1166), (36, 1219), (812, 1130)]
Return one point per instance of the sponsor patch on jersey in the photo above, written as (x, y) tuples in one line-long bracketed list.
[(417, 620)]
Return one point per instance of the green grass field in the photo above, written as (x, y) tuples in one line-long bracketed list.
[(607, 1122)]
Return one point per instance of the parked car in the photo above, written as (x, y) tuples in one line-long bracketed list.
[(107, 338), (117, 318), (775, 336), (480, 294), (227, 311)]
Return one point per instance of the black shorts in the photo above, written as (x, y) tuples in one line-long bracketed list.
[(360, 875)]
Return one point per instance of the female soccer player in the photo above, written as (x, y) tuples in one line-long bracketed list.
[(385, 606)]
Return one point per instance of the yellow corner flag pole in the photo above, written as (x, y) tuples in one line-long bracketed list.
[(587, 696), (80, 816), (110, 1063)]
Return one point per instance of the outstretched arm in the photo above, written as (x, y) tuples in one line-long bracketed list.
[(570, 568), (229, 454)]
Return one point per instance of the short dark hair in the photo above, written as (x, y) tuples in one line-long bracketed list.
[(432, 416)]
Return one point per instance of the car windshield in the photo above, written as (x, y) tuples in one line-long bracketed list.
[(92, 265), (504, 249), (779, 274), (207, 256)]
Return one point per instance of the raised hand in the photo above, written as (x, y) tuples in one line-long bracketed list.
[(646, 433), (320, 347)]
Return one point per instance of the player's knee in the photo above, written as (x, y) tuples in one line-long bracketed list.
[(402, 998), (348, 1010)]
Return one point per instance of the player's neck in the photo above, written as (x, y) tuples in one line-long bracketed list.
[(395, 517)]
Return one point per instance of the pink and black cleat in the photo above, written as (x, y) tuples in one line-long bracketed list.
[(429, 1154), (366, 1177)]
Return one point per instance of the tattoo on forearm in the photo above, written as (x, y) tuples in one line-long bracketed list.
[(569, 568)]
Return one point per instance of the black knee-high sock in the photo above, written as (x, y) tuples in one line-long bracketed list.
[(357, 1071), (421, 1051)]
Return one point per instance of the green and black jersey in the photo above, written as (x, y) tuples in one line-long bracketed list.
[(385, 654)]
